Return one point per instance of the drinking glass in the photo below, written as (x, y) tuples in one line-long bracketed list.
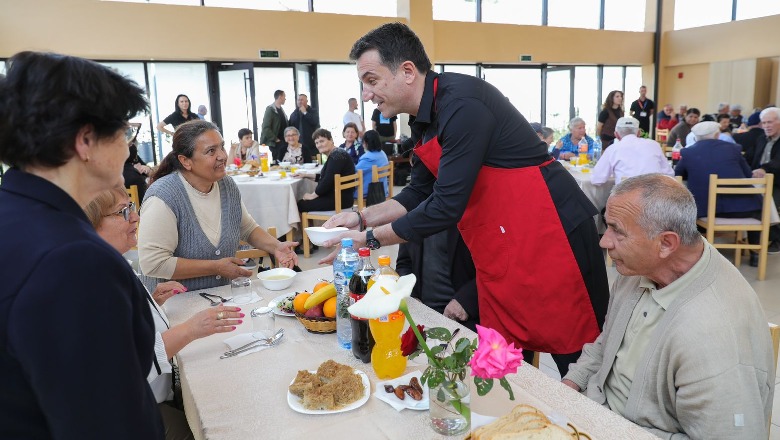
[(241, 290), (263, 322)]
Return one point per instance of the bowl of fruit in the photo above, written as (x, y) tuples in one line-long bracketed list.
[(317, 311)]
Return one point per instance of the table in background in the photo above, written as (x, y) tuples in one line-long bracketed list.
[(597, 194), (272, 201), (246, 397)]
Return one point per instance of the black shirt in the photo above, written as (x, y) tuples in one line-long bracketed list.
[(383, 128), (177, 119), (637, 108), (338, 162), (476, 125)]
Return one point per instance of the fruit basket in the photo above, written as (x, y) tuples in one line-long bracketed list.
[(321, 325)]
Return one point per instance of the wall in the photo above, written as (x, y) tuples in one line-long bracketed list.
[(691, 89)]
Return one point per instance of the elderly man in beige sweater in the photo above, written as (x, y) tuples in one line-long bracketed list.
[(685, 351)]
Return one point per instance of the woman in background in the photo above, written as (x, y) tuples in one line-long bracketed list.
[(373, 156), (568, 145), (351, 143), (611, 111), (324, 196), (180, 115)]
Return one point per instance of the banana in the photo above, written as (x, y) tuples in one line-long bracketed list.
[(320, 295)]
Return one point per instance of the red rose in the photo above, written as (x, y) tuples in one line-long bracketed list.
[(409, 341)]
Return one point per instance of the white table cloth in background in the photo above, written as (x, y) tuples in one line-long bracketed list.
[(246, 397)]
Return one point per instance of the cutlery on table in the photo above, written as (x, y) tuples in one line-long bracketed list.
[(254, 344), (206, 297), (210, 296)]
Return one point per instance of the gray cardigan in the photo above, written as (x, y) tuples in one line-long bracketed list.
[(708, 373)]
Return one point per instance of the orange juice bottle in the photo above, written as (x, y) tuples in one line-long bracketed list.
[(386, 358)]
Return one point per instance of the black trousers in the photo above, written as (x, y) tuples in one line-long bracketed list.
[(561, 360)]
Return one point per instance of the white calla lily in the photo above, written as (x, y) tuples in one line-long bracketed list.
[(384, 297)]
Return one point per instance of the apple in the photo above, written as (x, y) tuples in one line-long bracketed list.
[(315, 312)]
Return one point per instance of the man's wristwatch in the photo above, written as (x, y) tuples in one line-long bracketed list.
[(371, 242)]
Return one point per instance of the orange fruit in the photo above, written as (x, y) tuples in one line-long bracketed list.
[(329, 308), (299, 301), (319, 285)]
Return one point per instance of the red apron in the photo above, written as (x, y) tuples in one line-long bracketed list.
[(529, 284)]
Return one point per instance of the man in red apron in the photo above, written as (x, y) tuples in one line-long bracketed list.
[(541, 278)]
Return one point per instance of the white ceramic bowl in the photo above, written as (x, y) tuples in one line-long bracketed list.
[(277, 279), (285, 164), (309, 166), (319, 235)]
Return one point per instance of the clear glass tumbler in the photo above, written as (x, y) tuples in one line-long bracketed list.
[(263, 322), (241, 290)]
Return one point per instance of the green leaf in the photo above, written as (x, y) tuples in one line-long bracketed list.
[(505, 384), (439, 333), (463, 345), (440, 396), (483, 385), (426, 374), (415, 353), (437, 349)]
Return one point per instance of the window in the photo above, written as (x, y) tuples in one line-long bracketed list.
[(461, 68), (165, 2), (384, 8), (523, 88), (582, 14), (455, 10), (633, 83), (756, 8), (528, 12), (624, 15), (339, 82), (267, 5), (558, 99), (694, 13), (612, 79), (586, 100)]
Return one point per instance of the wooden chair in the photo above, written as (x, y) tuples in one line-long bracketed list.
[(132, 192), (257, 253), (738, 226), (341, 183), (774, 331), (385, 171)]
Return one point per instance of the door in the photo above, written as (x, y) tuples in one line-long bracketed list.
[(236, 100), (559, 99)]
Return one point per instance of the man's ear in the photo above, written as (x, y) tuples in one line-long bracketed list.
[(409, 71), (669, 242)]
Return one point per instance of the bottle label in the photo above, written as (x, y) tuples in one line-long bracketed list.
[(675, 155), (353, 298)]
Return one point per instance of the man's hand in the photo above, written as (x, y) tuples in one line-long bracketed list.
[(759, 173), (455, 311), (571, 385), (285, 254), (347, 219)]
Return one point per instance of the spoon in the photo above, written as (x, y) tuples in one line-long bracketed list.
[(258, 343), (205, 296), (224, 300)]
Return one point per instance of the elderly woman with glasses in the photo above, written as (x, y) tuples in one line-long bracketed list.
[(568, 145), (114, 218), (194, 217), (77, 335), (293, 150)]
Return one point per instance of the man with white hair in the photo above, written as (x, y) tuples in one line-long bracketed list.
[(766, 159), (630, 156), (735, 118), (685, 351), (710, 155)]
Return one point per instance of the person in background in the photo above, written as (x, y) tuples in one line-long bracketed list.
[(686, 351), (546, 134), (632, 156), (723, 109), (711, 155), (294, 152), (353, 117), (386, 127), (765, 158), (642, 109), (324, 196), (682, 112), (611, 111), (724, 125), (373, 156), (736, 119), (667, 118), (274, 123), (681, 130), (77, 336), (307, 120), (351, 143), (568, 144), (748, 139), (246, 148), (135, 171), (202, 111), (116, 221), (180, 115), (194, 217)]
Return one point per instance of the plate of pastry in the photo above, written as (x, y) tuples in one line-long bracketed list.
[(332, 388)]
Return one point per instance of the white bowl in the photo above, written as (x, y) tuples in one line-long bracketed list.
[(277, 279), (319, 235), (309, 166), (285, 164)]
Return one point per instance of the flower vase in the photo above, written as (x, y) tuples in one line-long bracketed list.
[(450, 402)]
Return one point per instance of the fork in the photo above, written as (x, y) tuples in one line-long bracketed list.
[(205, 296), (224, 300), (254, 344)]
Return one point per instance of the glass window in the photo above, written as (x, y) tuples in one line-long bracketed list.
[(455, 10), (586, 99), (633, 83), (624, 15), (384, 8), (267, 5), (235, 104), (574, 13), (612, 79), (558, 99), (166, 81), (339, 82), (523, 88), (507, 11), (267, 81), (165, 2), (756, 8), (694, 13), (461, 68)]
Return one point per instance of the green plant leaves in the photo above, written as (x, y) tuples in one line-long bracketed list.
[(505, 384), (483, 385)]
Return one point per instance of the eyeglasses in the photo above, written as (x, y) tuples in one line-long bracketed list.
[(131, 133), (124, 212)]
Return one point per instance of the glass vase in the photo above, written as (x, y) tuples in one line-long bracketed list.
[(450, 404)]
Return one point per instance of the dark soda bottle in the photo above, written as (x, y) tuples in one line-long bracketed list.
[(362, 341)]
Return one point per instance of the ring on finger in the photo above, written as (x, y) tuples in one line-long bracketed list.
[(220, 315)]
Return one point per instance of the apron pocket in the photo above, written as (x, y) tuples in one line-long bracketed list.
[(489, 246)]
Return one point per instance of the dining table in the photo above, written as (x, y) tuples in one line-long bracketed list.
[(597, 194), (271, 199), (246, 397)]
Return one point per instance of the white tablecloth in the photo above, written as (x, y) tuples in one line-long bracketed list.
[(271, 201), (597, 194), (246, 397)]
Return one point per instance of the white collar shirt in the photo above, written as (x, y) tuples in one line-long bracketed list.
[(631, 156)]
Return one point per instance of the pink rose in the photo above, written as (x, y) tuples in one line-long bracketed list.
[(493, 358)]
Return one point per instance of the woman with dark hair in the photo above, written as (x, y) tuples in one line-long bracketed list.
[(611, 111), (194, 216), (77, 336), (181, 113), (324, 196), (136, 171), (351, 142), (373, 156)]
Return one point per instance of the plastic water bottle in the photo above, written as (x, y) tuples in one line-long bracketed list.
[(676, 152), (596, 149), (344, 266)]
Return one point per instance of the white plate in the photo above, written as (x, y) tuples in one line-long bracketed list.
[(274, 304), (408, 402), (319, 235), (296, 403), (242, 178)]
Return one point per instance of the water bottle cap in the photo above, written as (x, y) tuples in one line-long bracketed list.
[(384, 260), (346, 242), (364, 252)]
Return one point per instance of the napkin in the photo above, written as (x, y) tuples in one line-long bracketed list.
[(243, 339), (397, 403), (255, 298)]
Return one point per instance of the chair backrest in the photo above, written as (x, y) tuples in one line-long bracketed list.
[(762, 186), (774, 332), (385, 171), (661, 135), (132, 192), (347, 182), (257, 253)]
